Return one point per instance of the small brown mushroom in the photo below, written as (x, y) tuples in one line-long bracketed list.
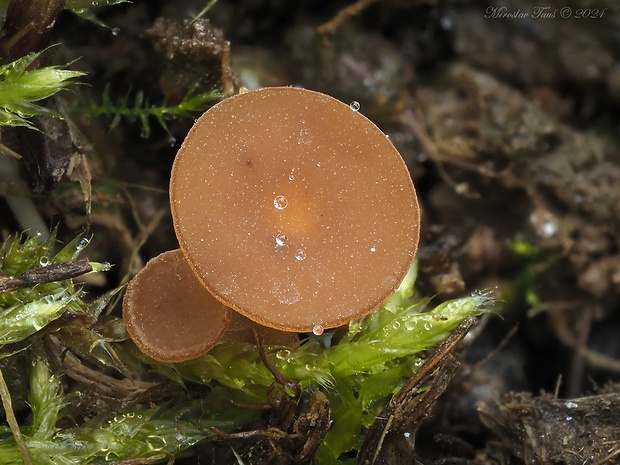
[(169, 315), (294, 209)]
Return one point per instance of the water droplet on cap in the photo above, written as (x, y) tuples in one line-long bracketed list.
[(281, 239), (300, 255), (317, 330), (280, 202), (355, 105)]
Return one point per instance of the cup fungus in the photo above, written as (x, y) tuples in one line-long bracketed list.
[(169, 315), (293, 209)]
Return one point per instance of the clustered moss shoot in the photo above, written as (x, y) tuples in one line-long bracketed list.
[(20, 88), (358, 374)]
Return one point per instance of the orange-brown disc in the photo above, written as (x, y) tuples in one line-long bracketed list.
[(169, 315), (294, 209)]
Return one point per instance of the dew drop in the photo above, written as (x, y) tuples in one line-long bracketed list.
[(427, 326), (106, 266), (280, 202), (44, 261), (446, 23), (372, 249), (300, 255), (83, 243), (111, 456), (156, 442), (116, 31), (548, 229), (172, 141), (281, 240), (354, 105), (317, 330)]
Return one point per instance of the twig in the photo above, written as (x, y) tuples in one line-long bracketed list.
[(411, 404), (610, 458), (566, 336), (502, 344), (47, 274), (354, 9), (279, 377), (12, 421), (435, 155), (577, 367), (4, 150)]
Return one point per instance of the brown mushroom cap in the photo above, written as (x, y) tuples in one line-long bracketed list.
[(169, 315), (293, 209), (243, 329)]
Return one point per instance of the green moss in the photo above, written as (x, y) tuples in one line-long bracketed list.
[(83, 8), (139, 109), (27, 309), (358, 374), (20, 88)]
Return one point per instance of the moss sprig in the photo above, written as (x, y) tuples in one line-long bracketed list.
[(138, 108), (26, 309), (20, 88), (148, 435), (358, 374), (83, 9)]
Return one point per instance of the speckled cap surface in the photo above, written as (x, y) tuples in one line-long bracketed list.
[(169, 315), (293, 209)]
